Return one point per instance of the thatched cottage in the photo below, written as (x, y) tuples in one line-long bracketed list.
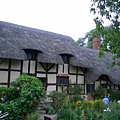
[(54, 58)]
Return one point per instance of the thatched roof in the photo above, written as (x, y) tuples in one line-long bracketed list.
[(100, 66), (15, 38)]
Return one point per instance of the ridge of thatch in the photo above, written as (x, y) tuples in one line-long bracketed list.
[(15, 38)]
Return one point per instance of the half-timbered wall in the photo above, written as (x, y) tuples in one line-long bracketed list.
[(11, 69), (47, 73), (106, 83)]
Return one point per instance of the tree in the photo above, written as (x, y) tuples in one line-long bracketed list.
[(87, 40), (81, 42), (109, 10), (92, 33), (89, 36)]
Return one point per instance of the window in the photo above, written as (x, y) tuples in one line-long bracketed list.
[(62, 80), (66, 57), (31, 54), (90, 88)]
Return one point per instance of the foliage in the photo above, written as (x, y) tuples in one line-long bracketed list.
[(10, 92), (74, 89), (48, 108), (93, 33), (35, 115), (108, 10), (89, 36), (6, 89), (31, 90), (114, 113), (88, 110), (57, 99), (81, 42), (13, 94), (114, 94), (75, 98), (99, 92)]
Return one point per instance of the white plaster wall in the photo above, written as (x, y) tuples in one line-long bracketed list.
[(32, 66), (59, 89), (3, 76), (66, 68), (72, 79), (14, 75), (53, 68), (112, 86), (15, 64), (116, 87), (80, 79), (103, 82), (51, 88), (85, 88), (72, 69), (39, 67), (80, 71), (41, 75), (60, 67), (4, 64), (97, 83), (25, 66), (51, 78)]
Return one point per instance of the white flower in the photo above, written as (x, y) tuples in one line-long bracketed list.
[(119, 101)]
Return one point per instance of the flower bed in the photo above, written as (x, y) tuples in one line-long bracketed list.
[(89, 110)]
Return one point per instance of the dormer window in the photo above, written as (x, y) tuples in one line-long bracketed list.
[(31, 54), (66, 57)]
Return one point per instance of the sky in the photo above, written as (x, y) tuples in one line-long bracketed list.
[(67, 17)]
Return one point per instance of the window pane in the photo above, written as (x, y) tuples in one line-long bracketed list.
[(90, 88), (62, 80)]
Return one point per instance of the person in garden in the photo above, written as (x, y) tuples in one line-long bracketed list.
[(4, 97), (106, 100)]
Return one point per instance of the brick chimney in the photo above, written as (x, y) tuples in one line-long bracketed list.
[(96, 43)]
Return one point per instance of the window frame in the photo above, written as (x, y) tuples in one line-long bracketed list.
[(90, 88), (62, 80)]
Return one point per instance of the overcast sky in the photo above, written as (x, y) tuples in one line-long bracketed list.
[(67, 17)]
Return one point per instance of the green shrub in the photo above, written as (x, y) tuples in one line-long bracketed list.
[(99, 92), (89, 110), (49, 109), (11, 93), (75, 98), (57, 99), (66, 113), (114, 94), (31, 90), (6, 89), (74, 89), (35, 115)]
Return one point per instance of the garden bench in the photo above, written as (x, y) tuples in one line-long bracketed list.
[(3, 115)]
